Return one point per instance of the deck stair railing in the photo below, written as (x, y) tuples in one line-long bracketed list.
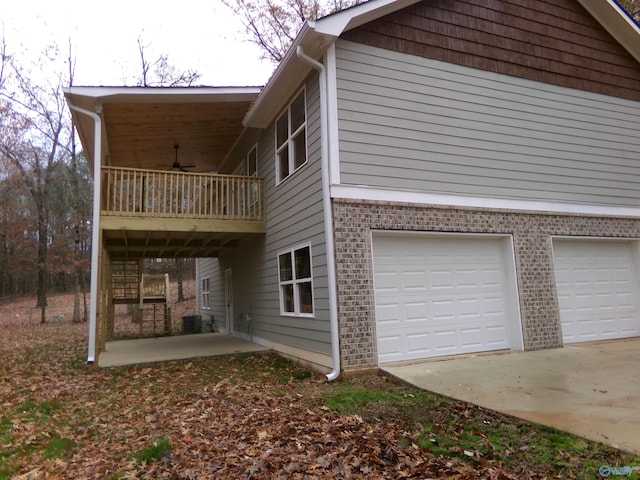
[(169, 194)]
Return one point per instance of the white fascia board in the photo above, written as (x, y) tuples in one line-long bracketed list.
[(360, 192), (617, 22), (165, 94)]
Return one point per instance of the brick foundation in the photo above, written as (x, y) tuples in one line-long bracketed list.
[(532, 238)]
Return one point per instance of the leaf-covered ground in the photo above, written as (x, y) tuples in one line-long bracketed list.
[(253, 417)]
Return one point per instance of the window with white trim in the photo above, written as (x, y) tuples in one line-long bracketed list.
[(291, 138), (296, 282), (205, 294)]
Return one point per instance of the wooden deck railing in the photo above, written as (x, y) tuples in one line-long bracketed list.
[(153, 193)]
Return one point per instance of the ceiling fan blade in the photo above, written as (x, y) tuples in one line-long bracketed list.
[(176, 164)]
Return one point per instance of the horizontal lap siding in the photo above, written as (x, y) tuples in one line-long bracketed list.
[(554, 41), (416, 123), (294, 217), (210, 267)]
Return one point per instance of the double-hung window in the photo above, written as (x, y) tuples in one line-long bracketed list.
[(296, 283), (205, 293), (291, 138)]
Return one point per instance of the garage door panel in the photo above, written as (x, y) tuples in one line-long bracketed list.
[(597, 284), (448, 296), (389, 348), (388, 314), (418, 344), (416, 311), (413, 281)]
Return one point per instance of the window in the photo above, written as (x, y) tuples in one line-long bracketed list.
[(252, 162), (296, 287), (252, 171), (206, 294), (291, 138)]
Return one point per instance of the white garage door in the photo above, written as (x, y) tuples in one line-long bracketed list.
[(597, 283), (442, 295)]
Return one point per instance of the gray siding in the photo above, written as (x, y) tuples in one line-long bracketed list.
[(413, 123), (210, 267), (294, 216)]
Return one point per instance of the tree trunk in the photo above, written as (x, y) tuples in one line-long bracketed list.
[(85, 315), (42, 265), (76, 295), (179, 264)]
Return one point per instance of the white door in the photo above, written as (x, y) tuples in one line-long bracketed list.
[(228, 298), (597, 284), (441, 295)]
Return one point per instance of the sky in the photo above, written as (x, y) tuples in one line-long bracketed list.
[(201, 35)]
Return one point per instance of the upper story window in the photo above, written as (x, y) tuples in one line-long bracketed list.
[(291, 138)]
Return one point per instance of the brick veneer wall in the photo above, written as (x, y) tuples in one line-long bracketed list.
[(531, 232)]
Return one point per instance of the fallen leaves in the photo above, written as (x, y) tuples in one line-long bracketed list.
[(242, 417)]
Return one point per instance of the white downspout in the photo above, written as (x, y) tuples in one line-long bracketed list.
[(328, 215), (95, 234)]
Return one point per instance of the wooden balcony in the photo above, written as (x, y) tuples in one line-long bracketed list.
[(166, 213)]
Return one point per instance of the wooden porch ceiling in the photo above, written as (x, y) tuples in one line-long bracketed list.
[(148, 244), (144, 135), (141, 125)]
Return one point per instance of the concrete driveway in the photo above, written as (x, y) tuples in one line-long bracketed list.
[(591, 390)]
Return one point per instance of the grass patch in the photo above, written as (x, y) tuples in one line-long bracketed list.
[(57, 448), (39, 411), (159, 449), (6, 439), (5, 429), (301, 375), (354, 400), (12, 451)]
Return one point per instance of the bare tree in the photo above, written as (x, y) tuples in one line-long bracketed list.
[(34, 135), (18, 244), (160, 73), (4, 60), (274, 24), (80, 209)]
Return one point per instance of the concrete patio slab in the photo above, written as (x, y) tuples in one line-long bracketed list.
[(162, 349), (591, 390)]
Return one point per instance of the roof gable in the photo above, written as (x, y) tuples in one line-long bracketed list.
[(556, 41), (603, 17)]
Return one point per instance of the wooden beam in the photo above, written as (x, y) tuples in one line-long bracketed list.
[(142, 224)]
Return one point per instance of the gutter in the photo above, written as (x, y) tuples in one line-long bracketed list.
[(328, 216), (95, 234)]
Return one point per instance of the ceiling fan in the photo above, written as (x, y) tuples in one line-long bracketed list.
[(176, 164)]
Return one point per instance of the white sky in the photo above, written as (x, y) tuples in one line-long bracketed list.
[(202, 35)]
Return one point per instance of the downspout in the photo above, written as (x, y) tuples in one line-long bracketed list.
[(328, 215), (95, 234)]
